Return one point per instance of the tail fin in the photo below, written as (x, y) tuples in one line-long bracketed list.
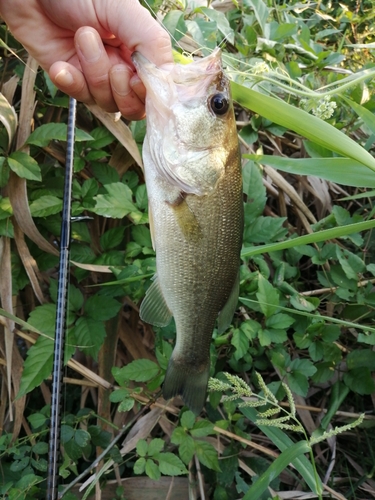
[(184, 380)]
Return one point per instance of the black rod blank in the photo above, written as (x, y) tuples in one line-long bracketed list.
[(61, 313)]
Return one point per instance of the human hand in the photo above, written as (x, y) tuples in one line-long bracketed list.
[(85, 46)]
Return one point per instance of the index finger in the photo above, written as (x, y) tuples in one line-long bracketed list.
[(137, 29)]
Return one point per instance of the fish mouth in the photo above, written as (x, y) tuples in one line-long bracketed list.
[(200, 71)]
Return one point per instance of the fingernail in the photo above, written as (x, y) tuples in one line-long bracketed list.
[(64, 78), (89, 46), (120, 81)]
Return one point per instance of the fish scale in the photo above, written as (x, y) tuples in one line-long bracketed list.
[(194, 185)]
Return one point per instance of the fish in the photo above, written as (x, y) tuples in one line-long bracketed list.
[(192, 167)]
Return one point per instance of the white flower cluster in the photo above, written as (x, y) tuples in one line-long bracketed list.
[(322, 108)]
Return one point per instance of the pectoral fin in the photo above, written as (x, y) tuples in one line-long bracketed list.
[(186, 219), (154, 309), (226, 314)]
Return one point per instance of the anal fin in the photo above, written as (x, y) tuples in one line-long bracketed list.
[(154, 309), (226, 314)]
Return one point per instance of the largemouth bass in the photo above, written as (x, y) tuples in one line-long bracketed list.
[(194, 185)]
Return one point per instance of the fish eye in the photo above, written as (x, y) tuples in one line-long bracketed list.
[(219, 104)]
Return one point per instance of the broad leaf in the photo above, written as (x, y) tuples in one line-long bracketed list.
[(24, 166), (90, 335), (46, 205), (117, 203), (102, 308), (170, 464), (44, 134), (139, 370), (207, 455), (268, 296), (37, 366)]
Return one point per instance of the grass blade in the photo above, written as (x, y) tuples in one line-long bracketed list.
[(303, 123), (326, 234), (341, 170), (283, 442), (275, 469)]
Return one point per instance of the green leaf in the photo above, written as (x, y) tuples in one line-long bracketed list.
[(20, 465), (37, 420), (341, 170), (260, 10), (268, 336), (141, 235), (112, 238), (67, 433), (186, 449), (174, 23), (327, 234), (361, 358), (188, 419), (90, 335), (255, 190), (43, 319), (280, 321), (4, 172), (152, 470), (267, 296), (178, 435), (203, 32), (40, 464), (117, 203), (170, 464), (139, 370), (101, 307), (366, 115), (221, 22), (351, 264), (301, 122), (40, 448), (24, 166), (202, 428), (240, 341), (73, 450), (118, 395), (82, 438), (46, 205), (281, 463), (37, 366), (142, 448), (126, 405), (139, 466), (360, 381), (44, 134), (155, 446), (283, 442), (207, 455), (264, 229)]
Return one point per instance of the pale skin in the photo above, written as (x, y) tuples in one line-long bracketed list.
[(85, 46)]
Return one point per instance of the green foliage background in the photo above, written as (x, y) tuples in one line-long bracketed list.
[(303, 82)]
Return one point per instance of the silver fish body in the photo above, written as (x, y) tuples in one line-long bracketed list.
[(193, 177)]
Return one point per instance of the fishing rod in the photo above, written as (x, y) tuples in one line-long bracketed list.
[(61, 313)]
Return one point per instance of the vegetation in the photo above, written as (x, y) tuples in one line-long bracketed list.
[(291, 401)]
